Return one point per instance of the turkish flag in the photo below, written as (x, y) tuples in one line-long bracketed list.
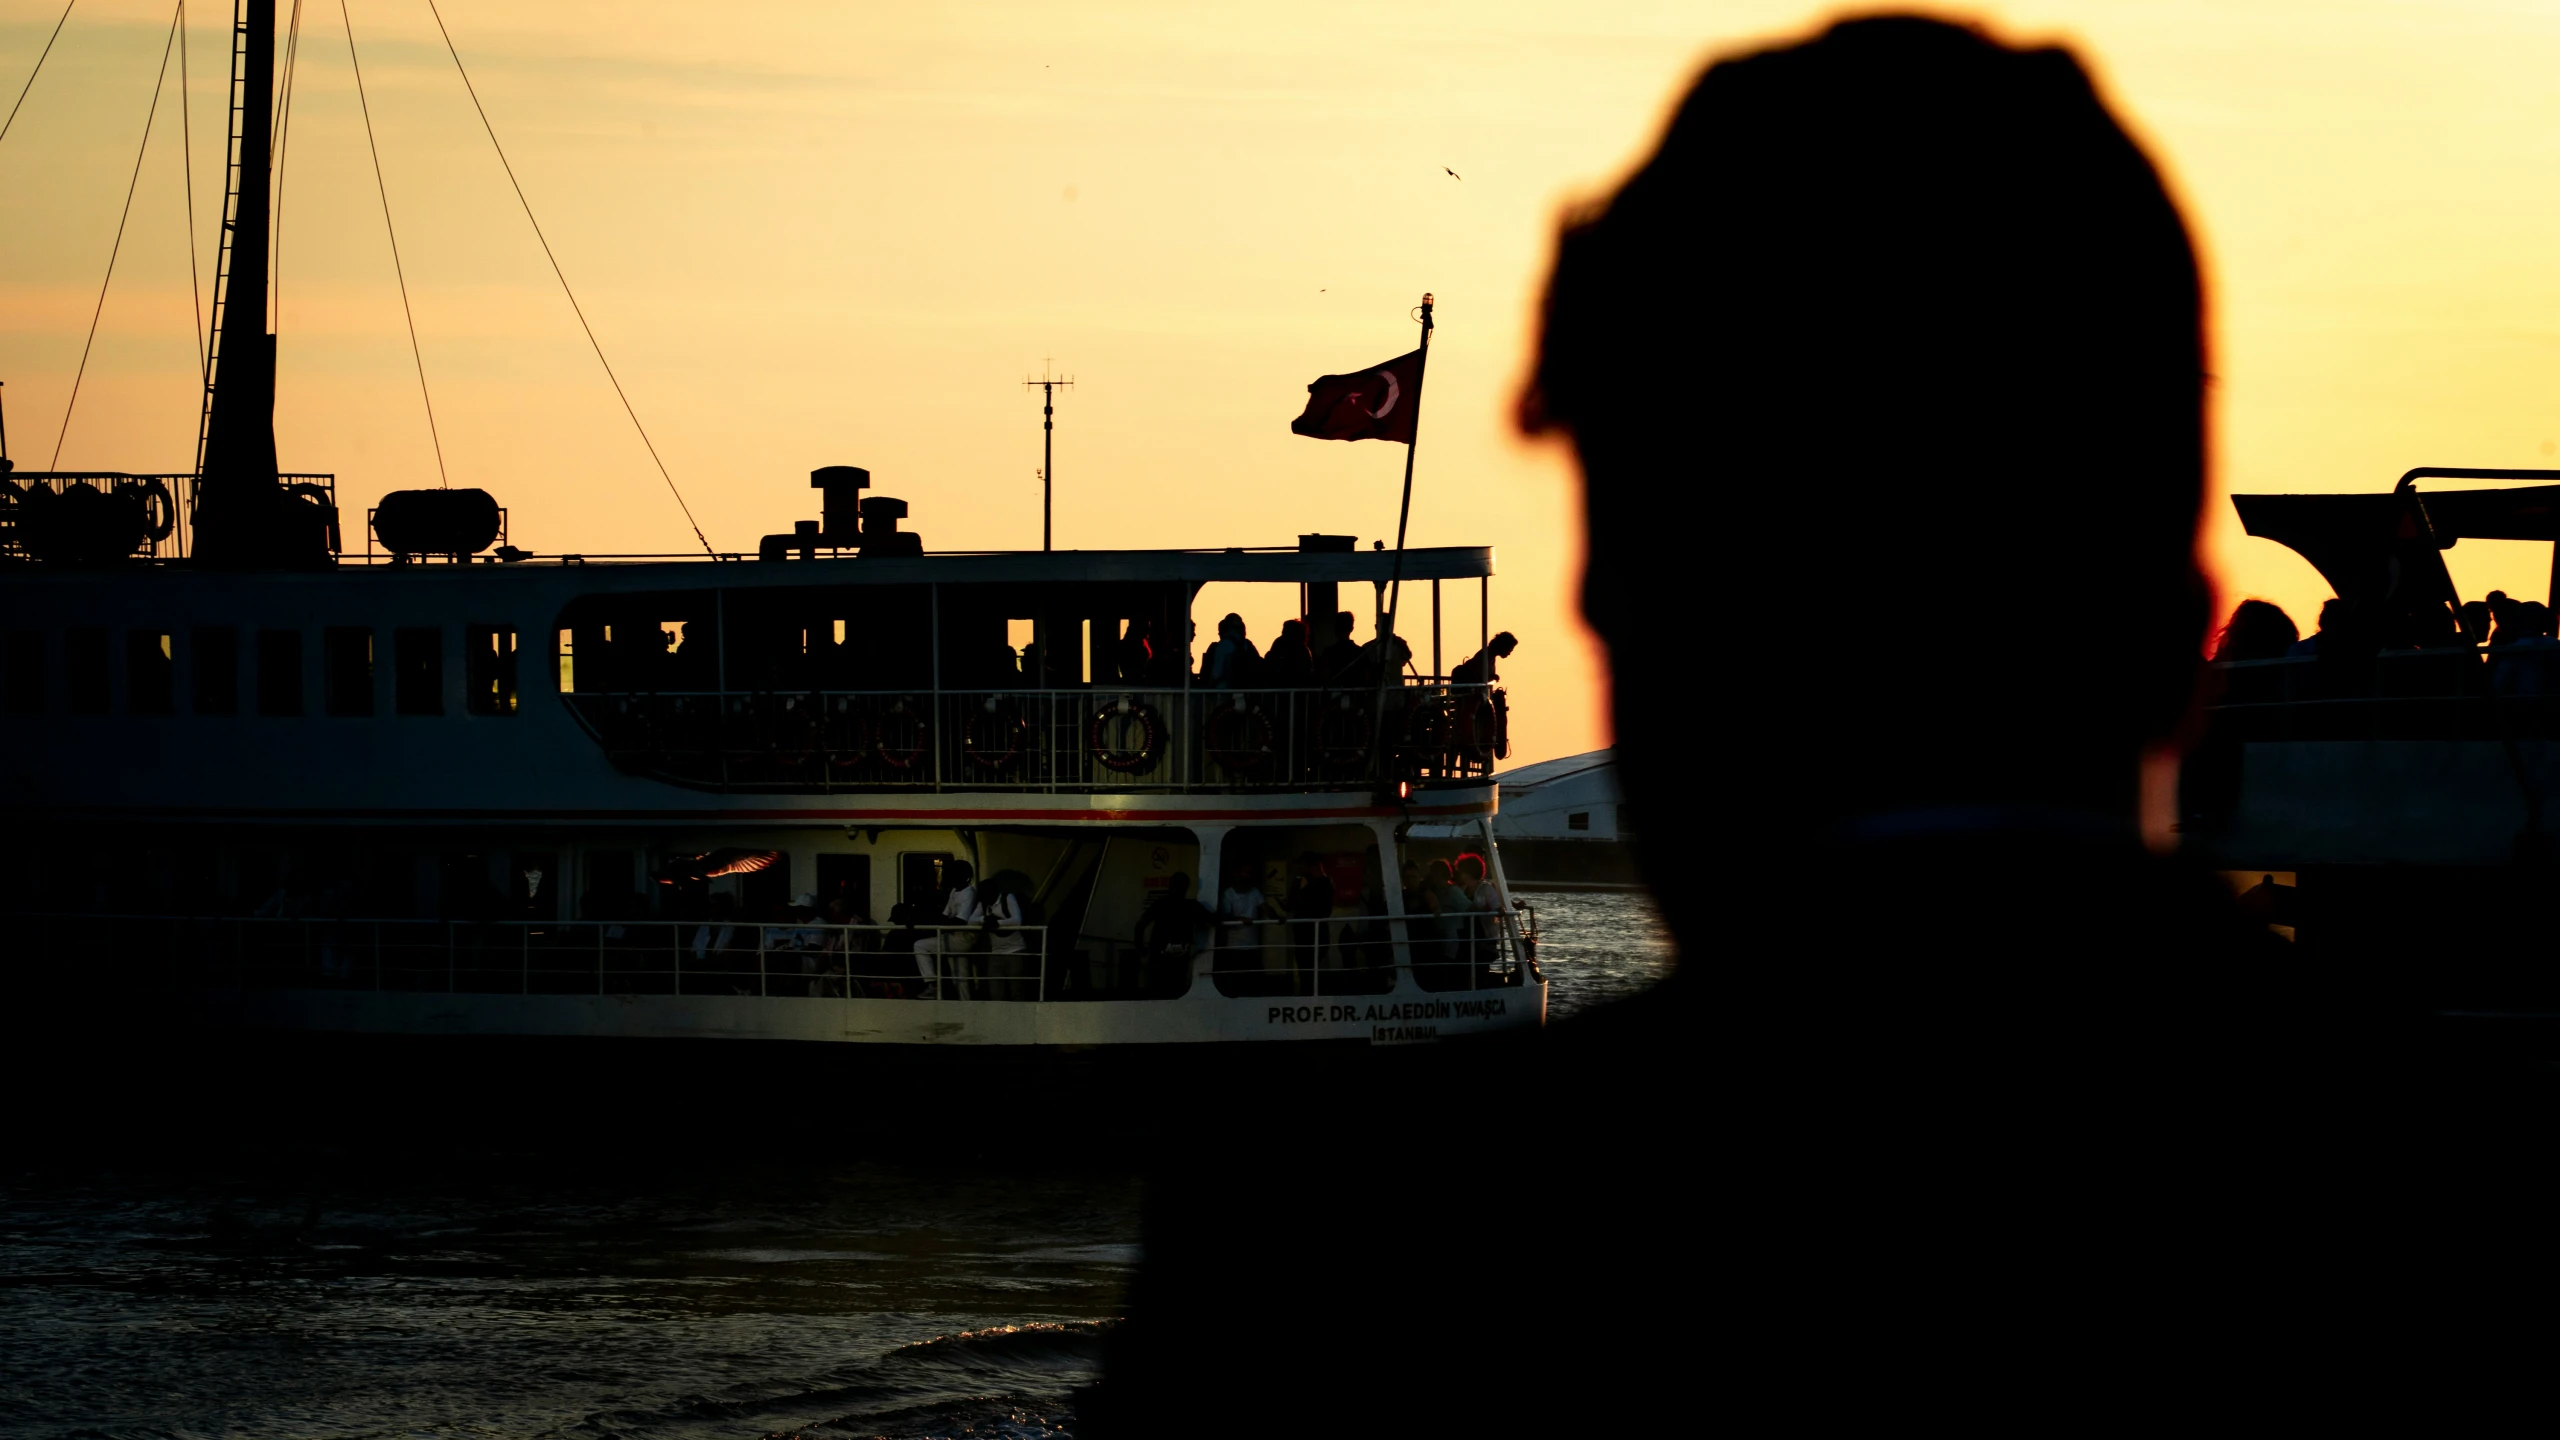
[(1378, 403)]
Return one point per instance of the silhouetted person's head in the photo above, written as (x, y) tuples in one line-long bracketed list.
[(1231, 628), (1177, 886), (2533, 618), (1898, 323), (2474, 618), (2333, 614), (2257, 631), (956, 874), (1470, 870)]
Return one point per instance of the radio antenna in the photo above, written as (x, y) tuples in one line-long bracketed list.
[(1049, 386)]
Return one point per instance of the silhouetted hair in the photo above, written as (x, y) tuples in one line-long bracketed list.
[(2257, 630), (1903, 308)]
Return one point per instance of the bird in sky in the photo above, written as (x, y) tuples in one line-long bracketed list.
[(1454, 175)]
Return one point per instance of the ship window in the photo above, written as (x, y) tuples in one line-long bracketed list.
[(22, 671), (347, 655), (923, 880), (612, 886), (279, 672), (84, 668), (417, 670), (848, 876), (665, 643), (148, 680), (492, 653), (214, 656), (1578, 820)]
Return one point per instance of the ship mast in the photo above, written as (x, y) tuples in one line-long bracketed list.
[(242, 515)]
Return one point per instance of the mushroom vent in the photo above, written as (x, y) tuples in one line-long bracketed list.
[(880, 532), (438, 522)]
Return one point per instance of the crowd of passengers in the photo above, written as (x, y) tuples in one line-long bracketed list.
[(1233, 662), (2512, 639), (1319, 926)]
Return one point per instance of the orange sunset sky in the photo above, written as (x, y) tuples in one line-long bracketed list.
[(843, 233)]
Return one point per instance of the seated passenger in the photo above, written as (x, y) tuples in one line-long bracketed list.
[(1290, 665), (1232, 663), (958, 902), (1479, 668)]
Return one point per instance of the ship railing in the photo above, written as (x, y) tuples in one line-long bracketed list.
[(1348, 955), (1335, 956), (1098, 738), (130, 517), (2454, 693)]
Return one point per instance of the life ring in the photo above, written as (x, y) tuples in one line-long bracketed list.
[(1124, 759), (1238, 736), (1344, 737), (992, 736), (155, 510), (901, 737), (1480, 735)]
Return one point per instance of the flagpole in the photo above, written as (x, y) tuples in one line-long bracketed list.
[(1387, 664)]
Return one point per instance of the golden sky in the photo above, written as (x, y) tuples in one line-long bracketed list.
[(843, 233)]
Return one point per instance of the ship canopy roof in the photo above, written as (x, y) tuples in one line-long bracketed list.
[(2384, 552)]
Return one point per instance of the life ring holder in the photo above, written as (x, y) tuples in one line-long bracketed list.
[(901, 757), (1124, 761), (1005, 719), (1218, 739)]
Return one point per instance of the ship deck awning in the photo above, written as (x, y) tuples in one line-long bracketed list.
[(2386, 549)]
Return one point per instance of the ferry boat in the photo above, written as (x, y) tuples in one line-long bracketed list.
[(2385, 795), (297, 771)]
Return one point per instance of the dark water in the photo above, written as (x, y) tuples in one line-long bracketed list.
[(682, 1294)]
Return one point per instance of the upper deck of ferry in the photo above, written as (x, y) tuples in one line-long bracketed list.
[(840, 657)]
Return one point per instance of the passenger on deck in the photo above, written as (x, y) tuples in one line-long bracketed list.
[(1365, 675), (1310, 904), (1232, 663), (1245, 927), (1136, 656), (1169, 933), (2257, 630), (1340, 663), (956, 907), (2332, 614), (1479, 668), (2502, 611), (2527, 666), (1290, 665), (2474, 617)]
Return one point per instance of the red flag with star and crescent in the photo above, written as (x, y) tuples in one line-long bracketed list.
[(1378, 403)]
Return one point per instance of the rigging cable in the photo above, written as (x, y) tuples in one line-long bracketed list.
[(32, 74), (187, 160), (158, 84), (564, 279), (282, 136), (384, 190)]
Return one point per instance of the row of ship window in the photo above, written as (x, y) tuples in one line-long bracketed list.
[(228, 670)]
